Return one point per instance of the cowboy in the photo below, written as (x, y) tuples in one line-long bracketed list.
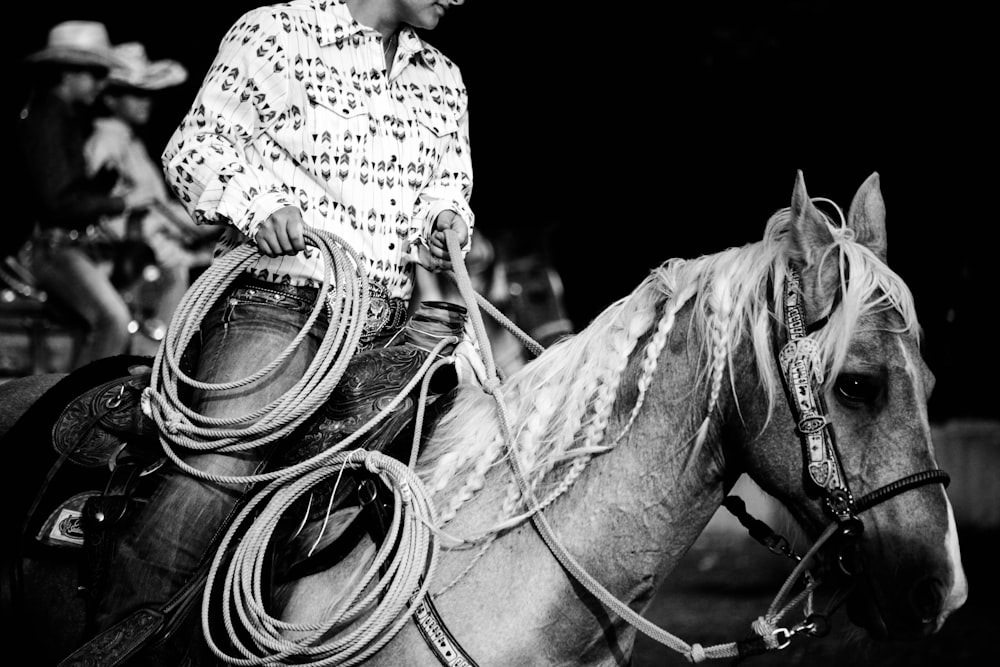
[(385, 166), (67, 201)]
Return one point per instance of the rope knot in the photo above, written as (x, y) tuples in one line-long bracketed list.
[(491, 385), (372, 463), (697, 653), (765, 629), (173, 421), (146, 402)]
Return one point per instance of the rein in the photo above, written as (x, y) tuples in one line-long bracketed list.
[(801, 366)]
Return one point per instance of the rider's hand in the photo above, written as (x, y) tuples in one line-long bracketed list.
[(282, 233), (446, 220)]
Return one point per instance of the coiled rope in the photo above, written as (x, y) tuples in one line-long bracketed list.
[(182, 428), (239, 559), (369, 614)]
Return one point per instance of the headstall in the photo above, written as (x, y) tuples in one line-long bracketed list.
[(802, 366)]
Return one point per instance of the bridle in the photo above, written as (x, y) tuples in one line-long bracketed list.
[(802, 371)]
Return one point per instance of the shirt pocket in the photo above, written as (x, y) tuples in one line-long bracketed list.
[(434, 108), (344, 101), (438, 120), (343, 124)]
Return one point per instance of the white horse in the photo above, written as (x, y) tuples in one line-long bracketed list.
[(626, 437)]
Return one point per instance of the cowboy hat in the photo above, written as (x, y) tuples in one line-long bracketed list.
[(138, 71), (79, 43)]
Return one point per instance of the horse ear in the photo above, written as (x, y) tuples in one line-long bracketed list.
[(867, 216), (810, 236)]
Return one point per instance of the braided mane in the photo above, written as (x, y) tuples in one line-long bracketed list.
[(560, 403)]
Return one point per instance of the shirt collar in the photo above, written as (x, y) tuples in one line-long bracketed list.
[(335, 24)]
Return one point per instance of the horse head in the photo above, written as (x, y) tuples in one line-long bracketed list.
[(871, 390)]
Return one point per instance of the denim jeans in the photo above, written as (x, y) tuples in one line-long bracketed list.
[(168, 538)]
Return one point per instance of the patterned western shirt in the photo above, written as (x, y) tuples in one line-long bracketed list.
[(298, 109)]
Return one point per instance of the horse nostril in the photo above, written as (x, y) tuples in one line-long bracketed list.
[(927, 598)]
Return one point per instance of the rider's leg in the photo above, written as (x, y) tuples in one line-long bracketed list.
[(169, 537)]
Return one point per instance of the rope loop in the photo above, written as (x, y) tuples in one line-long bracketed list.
[(343, 296)]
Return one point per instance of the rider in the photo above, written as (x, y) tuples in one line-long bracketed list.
[(332, 115)]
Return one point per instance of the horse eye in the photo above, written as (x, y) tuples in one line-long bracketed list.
[(858, 388)]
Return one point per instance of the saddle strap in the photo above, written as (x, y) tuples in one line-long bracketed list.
[(123, 640), (441, 642), (425, 615), (118, 643), (101, 516)]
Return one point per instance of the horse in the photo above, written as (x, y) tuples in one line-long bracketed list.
[(794, 360)]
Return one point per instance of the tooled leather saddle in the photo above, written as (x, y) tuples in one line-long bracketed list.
[(105, 449)]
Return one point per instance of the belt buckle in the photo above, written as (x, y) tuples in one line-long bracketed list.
[(378, 309)]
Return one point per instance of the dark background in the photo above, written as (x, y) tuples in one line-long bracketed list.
[(619, 135)]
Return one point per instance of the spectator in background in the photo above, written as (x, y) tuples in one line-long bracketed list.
[(116, 145), (64, 198)]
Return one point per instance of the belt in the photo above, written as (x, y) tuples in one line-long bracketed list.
[(386, 314)]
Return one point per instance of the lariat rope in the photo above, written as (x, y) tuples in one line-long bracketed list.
[(404, 578), (385, 596), (181, 427)]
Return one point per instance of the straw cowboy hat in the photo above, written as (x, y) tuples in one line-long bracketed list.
[(79, 43), (136, 70)]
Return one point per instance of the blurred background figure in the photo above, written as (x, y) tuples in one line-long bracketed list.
[(152, 284), (515, 273), (62, 201)]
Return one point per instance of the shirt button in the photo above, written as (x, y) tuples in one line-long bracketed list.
[(392, 201)]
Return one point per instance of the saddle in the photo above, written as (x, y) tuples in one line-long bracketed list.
[(99, 426)]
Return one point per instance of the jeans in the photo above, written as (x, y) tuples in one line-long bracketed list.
[(169, 537), (69, 273)]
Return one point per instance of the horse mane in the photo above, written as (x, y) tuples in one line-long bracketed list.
[(559, 405)]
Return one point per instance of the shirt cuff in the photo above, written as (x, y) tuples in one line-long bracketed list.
[(260, 208), (435, 209)]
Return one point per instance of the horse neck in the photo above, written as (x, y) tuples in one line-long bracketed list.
[(637, 508)]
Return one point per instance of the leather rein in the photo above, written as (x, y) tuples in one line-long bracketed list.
[(801, 366)]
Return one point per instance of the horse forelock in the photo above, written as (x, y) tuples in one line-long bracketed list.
[(559, 405), (870, 294)]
